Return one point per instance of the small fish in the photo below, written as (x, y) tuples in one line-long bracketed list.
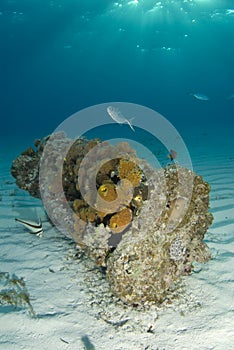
[(33, 227), (199, 96), (172, 155), (117, 116)]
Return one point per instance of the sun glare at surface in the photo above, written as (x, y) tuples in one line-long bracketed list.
[(154, 5), (147, 13)]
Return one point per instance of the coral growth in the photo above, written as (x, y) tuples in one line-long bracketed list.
[(120, 220), (96, 244), (101, 183), (128, 169), (161, 246), (145, 226), (107, 191)]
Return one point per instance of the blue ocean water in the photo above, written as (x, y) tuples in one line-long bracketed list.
[(58, 57), (61, 56)]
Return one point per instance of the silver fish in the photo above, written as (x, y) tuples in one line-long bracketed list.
[(117, 116), (33, 227), (199, 96)]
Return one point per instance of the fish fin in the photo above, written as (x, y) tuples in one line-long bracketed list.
[(32, 227), (39, 234), (30, 223)]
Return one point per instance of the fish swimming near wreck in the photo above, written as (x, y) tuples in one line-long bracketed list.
[(172, 155), (33, 227), (118, 117), (199, 96)]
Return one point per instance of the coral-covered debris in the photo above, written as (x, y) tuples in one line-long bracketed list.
[(145, 226), (152, 256), (119, 187)]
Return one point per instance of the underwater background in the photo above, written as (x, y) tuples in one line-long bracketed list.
[(58, 57)]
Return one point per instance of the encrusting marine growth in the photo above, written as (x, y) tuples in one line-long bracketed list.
[(161, 246), (154, 231)]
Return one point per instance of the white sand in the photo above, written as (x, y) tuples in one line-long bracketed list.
[(71, 298)]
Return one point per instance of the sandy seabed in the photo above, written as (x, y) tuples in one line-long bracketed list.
[(71, 299)]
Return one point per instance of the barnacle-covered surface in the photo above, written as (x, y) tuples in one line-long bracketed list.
[(151, 256)]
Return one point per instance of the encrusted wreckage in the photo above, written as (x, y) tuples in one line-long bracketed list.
[(145, 226)]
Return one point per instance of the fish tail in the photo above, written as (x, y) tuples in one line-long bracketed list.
[(129, 123)]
